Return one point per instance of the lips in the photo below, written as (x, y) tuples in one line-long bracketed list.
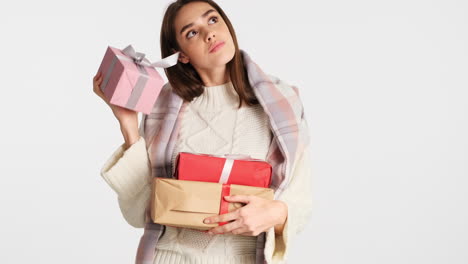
[(215, 45)]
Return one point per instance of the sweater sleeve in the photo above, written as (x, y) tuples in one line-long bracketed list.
[(298, 198), (128, 173)]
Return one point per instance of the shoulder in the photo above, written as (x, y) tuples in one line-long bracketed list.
[(285, 87), (291, 93), (160, 106), (166, 90), (155, 117)]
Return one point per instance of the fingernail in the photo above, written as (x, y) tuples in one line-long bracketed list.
[(206, 221)]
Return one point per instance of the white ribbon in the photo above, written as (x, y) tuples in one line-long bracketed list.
[(227, 168), (139, 58)]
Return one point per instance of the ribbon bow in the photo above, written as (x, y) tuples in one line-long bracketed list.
[(139, 58)]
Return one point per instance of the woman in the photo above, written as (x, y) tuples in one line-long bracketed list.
[(217, 101)]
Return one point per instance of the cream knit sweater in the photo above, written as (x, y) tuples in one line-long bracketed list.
[(212, 124)]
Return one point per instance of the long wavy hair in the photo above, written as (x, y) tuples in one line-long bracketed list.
[(183, 78)]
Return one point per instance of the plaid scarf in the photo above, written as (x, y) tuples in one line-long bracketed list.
[(280, 102)]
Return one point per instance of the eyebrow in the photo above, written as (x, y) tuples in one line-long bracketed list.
[(191, 24)]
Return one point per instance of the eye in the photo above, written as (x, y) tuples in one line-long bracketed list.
[(188, 33), (216, 20)]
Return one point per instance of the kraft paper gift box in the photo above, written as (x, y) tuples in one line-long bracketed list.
[(229, 168), (129, 80), (186, 204)]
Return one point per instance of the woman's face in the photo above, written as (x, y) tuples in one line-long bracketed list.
[(205, 29)]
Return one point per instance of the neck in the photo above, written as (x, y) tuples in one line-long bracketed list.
[(215, 76)]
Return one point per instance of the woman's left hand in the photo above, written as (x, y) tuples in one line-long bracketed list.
[(257, 216)]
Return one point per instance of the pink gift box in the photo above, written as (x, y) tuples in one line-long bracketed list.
[(128, 84)]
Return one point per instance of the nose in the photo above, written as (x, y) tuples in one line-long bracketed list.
[(210, 35)]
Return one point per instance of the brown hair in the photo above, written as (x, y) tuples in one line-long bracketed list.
[(183, 77)]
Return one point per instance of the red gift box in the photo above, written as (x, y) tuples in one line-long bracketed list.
[(227, 169)]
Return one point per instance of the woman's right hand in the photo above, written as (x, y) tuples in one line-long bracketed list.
[(124, 115)]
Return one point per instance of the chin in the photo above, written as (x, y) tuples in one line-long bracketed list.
[(223, 56)]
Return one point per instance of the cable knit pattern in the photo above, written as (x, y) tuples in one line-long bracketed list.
[(213, 124)]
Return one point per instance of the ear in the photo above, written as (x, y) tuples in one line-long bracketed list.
[(182, 57)]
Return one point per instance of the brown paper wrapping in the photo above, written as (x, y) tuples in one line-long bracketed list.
[(187, 203)]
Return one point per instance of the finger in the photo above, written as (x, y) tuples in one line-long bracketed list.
[(98, 91), (248, 233), (225, 228), (239, 198), (96, 86), (222, 218), (98, 81), (243, 231)]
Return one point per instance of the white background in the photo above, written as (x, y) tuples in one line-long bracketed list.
[(384, 84)]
